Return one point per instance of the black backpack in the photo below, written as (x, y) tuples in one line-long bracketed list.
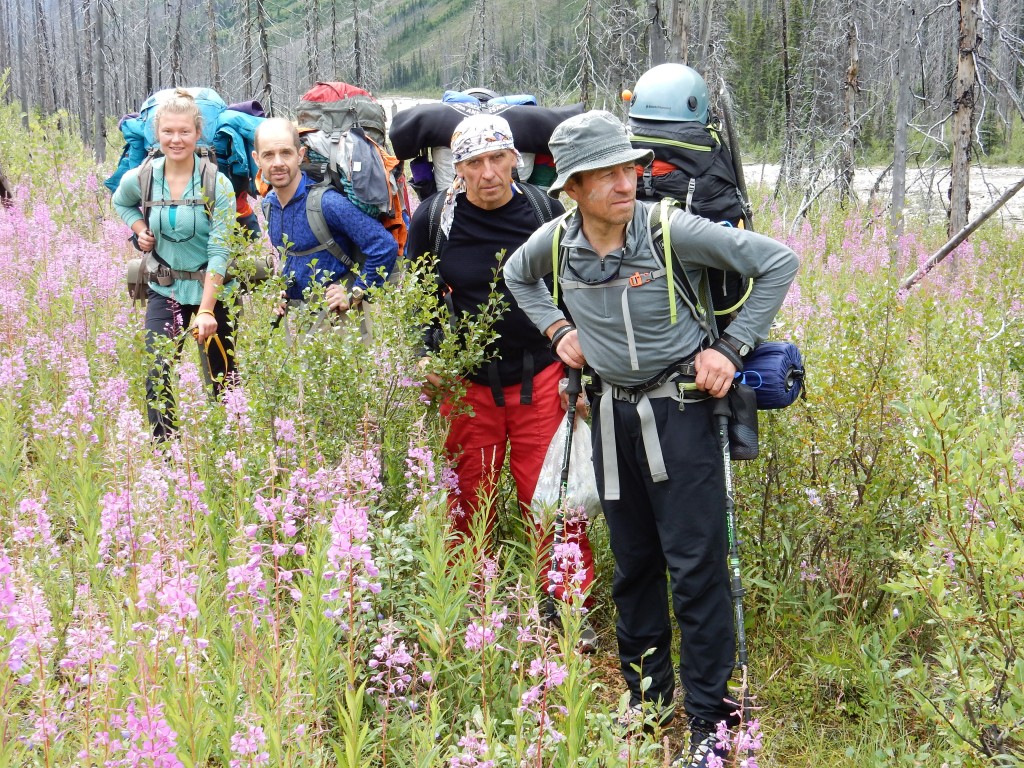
[(699, 175)]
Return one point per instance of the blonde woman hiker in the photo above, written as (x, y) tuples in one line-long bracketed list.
[(182, 231)]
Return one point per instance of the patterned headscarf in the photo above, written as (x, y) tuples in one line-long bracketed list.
[(475, 135)]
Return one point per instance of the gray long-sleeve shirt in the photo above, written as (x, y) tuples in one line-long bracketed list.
[(625, 330)]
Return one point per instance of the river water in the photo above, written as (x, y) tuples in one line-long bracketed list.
[(926, 189)]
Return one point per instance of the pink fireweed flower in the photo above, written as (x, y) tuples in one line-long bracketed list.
[(391, 662), (568, 568), (193, 403), (89, 644), (116, 540), (474, 747), (28, 614), (236, 406), (350, 558), (147, 739), (248, 743), (551, 674), (31, 525), (13, 373), (246, 593)]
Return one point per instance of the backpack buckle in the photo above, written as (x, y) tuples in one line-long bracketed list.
[(639, 278), (163, 276)]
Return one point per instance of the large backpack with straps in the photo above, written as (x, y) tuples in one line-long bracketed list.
[(343, 129), (693, 166), (225, 145), (227, 136), (422, 134)]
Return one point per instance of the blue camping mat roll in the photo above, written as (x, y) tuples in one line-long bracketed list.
[(775, 370)]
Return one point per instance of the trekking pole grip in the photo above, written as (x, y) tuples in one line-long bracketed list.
[(574, 386)]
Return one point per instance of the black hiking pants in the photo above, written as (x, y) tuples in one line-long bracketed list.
[(676, 525), (167, 319)]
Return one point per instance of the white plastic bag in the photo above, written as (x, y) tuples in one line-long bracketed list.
[(581, 489)]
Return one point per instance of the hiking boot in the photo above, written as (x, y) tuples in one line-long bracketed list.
[(703, 746), (647, 717), (588, 640)]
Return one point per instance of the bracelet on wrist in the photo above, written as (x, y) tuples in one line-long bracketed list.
[(206, 312), (560, 334), (723, 347)]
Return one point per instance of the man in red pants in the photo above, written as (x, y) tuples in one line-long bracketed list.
[(511, 403)]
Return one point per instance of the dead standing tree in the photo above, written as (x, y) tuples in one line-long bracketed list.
[(903, 107), (99, 82), (851, 87), (964, 116)]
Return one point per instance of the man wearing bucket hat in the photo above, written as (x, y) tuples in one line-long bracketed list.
[(657, 458), (513, 400)]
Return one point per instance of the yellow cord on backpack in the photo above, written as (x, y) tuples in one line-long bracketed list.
[(554, 261), (666, 240), (738, 304)]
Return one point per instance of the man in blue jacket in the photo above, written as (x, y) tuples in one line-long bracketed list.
[(364, 250)]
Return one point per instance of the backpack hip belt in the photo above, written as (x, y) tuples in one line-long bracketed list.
[(165, 276), (670, 383), (157, 272)]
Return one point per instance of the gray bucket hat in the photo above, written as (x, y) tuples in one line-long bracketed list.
[(595, 139)]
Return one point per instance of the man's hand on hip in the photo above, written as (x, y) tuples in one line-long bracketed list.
[(715, 372)]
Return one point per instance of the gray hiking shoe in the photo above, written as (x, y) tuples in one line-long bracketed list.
[(588, 640), (703, 746)]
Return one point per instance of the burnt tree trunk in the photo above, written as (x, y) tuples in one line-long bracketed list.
[(100, 85), (263, 24), (211, 15), (903, 104), (964, 115)]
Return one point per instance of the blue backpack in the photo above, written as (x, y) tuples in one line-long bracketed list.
[(226, 143)]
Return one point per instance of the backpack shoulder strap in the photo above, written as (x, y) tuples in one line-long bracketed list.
[(208, 178), (318, 225), (435, 234), (697, 300), (539, 201), (146, 187), (556, 250)]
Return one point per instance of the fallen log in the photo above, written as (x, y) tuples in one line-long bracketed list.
[(959, 237)]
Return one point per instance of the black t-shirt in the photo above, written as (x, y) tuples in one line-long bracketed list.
[(467, 266)]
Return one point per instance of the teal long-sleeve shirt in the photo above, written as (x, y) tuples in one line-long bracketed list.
[(186, 238)]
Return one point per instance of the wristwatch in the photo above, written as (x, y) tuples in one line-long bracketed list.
[(742, 349)]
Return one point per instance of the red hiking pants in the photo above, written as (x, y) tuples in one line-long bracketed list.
[(477, 445)]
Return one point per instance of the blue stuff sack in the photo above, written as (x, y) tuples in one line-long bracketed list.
[(775, 371)]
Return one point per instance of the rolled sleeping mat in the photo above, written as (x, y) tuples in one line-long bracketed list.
[(775, 371), (431, 125)]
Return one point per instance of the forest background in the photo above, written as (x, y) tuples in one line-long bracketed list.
[(275, 588)]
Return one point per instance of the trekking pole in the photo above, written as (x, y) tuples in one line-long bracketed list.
[(573, 390), (722, 413)]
